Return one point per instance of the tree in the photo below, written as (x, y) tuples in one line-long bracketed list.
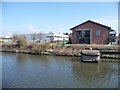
[(70, 41), (65, 33), (20, 40)]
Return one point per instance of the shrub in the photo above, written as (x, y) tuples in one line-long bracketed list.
[(20, 40), (39, 47)]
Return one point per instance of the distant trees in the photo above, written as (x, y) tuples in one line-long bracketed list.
[(20, 40), (66, 33), (70, 35), (69, 42)]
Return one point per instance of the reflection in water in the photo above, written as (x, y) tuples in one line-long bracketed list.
[(0, 70), (41, 71), (93, 73), (21, 58)]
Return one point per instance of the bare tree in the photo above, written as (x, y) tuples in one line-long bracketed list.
[(20, 40)]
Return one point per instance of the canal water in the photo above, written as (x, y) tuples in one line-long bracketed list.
[(41, 71)]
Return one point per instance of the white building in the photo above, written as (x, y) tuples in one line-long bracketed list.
[(46, 37), (36, 37), (6, 39), (51, 37)]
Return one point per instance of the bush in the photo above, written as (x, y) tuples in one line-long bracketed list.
[(20, 40), (39, 47)]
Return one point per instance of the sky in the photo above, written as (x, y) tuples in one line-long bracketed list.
[(58, 17), (60, 0)]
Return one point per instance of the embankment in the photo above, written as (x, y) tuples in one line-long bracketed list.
[(107, 51)]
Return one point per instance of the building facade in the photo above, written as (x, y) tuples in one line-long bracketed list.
[(46, 37), (35, 37), (112, 37), (54, 37), (91, 32), (6, 39)]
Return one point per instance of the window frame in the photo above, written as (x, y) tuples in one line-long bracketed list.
[(98, 32)]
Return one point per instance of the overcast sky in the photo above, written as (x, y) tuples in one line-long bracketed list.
[(59, 17)]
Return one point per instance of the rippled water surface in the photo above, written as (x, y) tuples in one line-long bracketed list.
[(40, 71)]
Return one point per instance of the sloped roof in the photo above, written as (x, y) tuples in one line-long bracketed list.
[(113, 32), (91, 22)]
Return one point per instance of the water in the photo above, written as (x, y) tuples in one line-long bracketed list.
[(40, 71), (0, 71)]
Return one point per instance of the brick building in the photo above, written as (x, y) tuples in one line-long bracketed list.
[(91, 32)]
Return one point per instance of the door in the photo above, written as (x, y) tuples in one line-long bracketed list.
[(84, 37)]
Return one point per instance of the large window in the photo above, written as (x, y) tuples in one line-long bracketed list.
[(97, 32), (84, 37)]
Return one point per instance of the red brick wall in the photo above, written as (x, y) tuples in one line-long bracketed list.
[(74, 37), (101, 39)]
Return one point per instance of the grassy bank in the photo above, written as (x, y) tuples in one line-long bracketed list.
[(107, 51)]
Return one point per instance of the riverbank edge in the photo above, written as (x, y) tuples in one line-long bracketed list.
[(103, 54)]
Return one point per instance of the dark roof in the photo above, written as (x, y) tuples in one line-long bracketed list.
[(112, 30), (91, 22)]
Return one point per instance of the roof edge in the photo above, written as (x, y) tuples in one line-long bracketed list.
[(91, 22)]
